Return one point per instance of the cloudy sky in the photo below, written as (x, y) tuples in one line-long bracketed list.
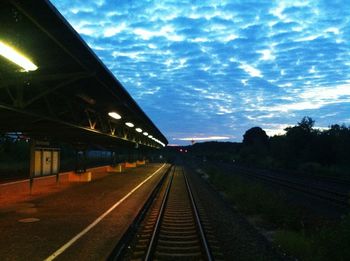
[(212, 68)]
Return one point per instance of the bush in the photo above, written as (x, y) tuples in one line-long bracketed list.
[(252, 198), (296, 243), (310, 167), (330, 242), (333, 241), (319, 241)]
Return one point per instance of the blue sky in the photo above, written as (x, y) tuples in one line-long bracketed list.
[(217, 68)]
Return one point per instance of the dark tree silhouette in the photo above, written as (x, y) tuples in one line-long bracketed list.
[(306, 124), (255, 146), (303, 148), (255, 136), (300, 140)]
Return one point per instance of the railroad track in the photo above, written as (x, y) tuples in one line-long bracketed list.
[(328, 179), (336, 197), (171, 229)]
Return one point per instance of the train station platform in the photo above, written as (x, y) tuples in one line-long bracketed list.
[(19, 190), (75, 221)]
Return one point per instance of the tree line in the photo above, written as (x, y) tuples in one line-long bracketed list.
[(302, 148)]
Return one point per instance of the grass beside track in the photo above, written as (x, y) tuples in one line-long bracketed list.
[(296, 232)]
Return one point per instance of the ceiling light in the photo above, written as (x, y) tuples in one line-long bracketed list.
[(138, 130), (129, 124), (150, 136), (145, 133), (17, 58), (114, 115)]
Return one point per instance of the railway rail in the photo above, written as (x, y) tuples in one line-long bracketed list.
[(320, 178), (339, 198), (171, 227), (323, 193)]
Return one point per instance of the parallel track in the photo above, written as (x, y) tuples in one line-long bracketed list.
[(333, 196)]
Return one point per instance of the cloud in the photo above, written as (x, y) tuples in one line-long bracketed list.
[(204, 138), (314, 98), (113, 30), (266, 55), (273, 132), (253, 72), (223, 66), (327, 95)]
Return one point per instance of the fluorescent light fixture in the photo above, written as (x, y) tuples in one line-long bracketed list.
[(16, 57), (145, 133), (129, 124), (114, 115), (138, 130)]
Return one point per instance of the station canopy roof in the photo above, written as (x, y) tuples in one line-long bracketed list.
[(70, 94)]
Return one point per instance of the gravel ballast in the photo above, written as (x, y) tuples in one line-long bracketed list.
[(238, 239)]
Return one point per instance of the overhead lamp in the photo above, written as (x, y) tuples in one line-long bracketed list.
[(114, 115), (129, 124), (145, 133), (150, 136), (16, 57), (138, 130)]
